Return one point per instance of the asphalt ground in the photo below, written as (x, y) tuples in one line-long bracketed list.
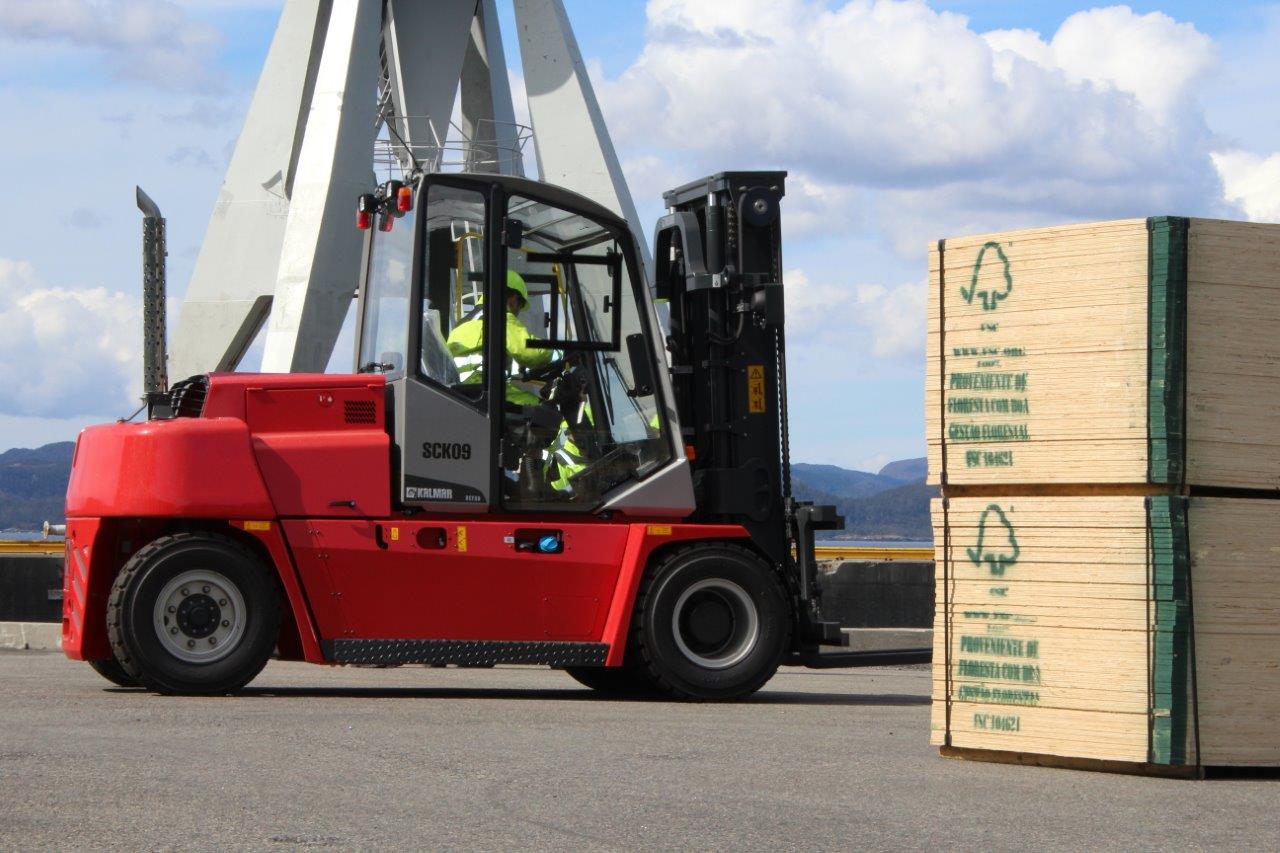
[(524, 758)]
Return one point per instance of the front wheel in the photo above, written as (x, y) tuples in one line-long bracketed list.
[(193, 613), (112, 671), (712, 622)]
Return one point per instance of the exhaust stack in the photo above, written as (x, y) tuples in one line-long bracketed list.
[(155, 356)]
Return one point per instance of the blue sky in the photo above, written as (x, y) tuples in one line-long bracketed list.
[(899, 121)]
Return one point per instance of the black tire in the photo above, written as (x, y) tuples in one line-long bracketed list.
[(246, 614), (112, 671), (730, 632), (616, 681)]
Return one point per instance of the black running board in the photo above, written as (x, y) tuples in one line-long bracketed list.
[(843, 660), (465, 652)]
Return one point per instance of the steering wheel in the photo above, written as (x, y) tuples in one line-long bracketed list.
[(568, 390), (547, 372)]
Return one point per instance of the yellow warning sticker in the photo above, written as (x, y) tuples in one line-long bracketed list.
[(462, 538), (755, 388), (659, 529), (257, 525), (395, 534)]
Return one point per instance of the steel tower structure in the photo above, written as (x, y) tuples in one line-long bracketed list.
[(343, 78)]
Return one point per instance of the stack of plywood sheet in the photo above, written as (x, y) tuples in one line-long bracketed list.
[(1103, 406)]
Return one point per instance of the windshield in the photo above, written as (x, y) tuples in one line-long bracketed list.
[(583, 305), (385, 329), (452, 324)]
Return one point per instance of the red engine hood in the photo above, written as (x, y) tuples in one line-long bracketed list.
[(266, 445), (185, 467)]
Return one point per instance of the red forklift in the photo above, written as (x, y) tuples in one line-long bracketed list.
[(562, 485)]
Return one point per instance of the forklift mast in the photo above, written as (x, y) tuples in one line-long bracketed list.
[(718, 261)]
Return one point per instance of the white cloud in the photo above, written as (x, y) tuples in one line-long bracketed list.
[(1152, 57), (1251, 181), (901, 124), (894, 318), (155, 41), (814, 207), (895, 94), (1009, 46), (809, 306), (887, 322), (66, 352)]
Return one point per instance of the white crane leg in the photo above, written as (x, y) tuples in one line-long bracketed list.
[(238, 259), (425, 44), (320, 255), (488, 114)]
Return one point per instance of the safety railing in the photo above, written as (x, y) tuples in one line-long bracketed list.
[(405, 143)]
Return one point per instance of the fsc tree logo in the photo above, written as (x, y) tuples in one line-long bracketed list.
[(997, 544), (991, 297)]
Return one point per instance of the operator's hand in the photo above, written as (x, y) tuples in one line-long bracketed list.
[(544, 373)]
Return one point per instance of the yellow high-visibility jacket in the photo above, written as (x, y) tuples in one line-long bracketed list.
[(466, 345), (565, 458)]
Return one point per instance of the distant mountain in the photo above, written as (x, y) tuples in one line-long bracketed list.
[(838, 481), (907, 470), (893, 504), (901, 513), (33, 485)]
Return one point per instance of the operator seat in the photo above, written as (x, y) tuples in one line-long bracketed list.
[(436, 360)]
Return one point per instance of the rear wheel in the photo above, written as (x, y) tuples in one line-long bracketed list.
[(193, 613), (712, 622), (112, 671)]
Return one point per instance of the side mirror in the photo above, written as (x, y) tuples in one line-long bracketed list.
[(394, 362), (641, 366)]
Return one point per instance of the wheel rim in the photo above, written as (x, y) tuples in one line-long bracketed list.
[(715, 623), (199, 616)]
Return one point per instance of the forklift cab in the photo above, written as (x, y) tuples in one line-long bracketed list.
[(558, 406)]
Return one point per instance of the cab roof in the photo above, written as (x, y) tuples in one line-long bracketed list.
[(540, 190)]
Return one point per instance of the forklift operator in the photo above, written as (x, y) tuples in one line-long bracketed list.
[(466, 344)]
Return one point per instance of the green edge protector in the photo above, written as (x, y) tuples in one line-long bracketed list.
[(1166, 348), (1170, 639)]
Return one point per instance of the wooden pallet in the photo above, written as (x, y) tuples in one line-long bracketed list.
[(1143, 630), (1026, 759), (1142, 351)]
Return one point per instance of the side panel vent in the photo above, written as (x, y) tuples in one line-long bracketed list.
[(359, 412)]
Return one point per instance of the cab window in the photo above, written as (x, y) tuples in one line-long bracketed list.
[(588, 421), (452, 315), (384, 335)]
